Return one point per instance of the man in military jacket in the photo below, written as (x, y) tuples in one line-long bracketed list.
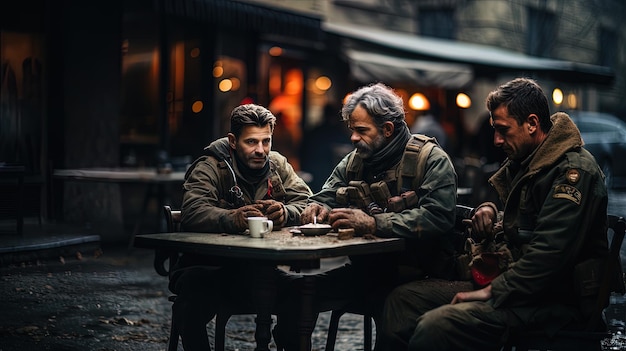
[(238, 177), (554, 223)]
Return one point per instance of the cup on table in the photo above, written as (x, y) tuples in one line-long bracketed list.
[(259, 226)]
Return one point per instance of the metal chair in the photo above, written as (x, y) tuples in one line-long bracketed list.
[(225, 311), (591, 336), (364, 307)]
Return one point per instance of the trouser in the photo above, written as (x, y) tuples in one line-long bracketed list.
[(407, 302), (418, 316)]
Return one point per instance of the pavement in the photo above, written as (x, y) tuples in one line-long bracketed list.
[(64, 290)]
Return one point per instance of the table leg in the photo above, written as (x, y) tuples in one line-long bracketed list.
[(264, 295), (307, 314)]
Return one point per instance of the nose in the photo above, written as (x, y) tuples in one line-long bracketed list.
[(259, 148), (354, 137), (498, 140)]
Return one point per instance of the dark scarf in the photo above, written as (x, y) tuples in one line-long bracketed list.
[(252, 176), (390, 154)]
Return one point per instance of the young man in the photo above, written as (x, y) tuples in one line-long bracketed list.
[(238, 177), (554, 224), (393, 184)]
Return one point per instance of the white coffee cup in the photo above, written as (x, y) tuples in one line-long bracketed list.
[(259, 226)]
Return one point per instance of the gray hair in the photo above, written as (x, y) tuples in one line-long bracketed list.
[(250, 115), (380, 102)]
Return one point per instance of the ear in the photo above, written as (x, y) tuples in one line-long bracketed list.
[(388, 129), (533, 123), (232, 141)]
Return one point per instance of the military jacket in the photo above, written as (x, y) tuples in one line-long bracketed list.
[(555, 217)]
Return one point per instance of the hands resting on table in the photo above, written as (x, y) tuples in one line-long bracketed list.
[(340, 218), (271, 209)]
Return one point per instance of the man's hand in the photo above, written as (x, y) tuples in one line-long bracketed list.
[(314, 209), (240, 215), (352, 218), (483, 294), (274, 210), (483, 221)]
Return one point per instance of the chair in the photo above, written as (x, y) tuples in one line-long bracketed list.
[(364, 308), (225, 310), (590, 338)]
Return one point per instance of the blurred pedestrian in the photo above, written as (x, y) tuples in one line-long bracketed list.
[(429, 123)]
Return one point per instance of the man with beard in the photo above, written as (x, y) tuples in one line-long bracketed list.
[(554, 223), (393, 184), (238, 177)]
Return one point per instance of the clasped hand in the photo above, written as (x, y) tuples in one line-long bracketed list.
[(273, 210), (340, 218)]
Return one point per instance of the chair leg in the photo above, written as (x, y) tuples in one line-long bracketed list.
[(332, 329), (367, 333), (174, 332), (220, 330)]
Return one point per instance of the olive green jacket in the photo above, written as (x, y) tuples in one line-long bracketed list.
[(207, 201), (427, 227), (555, 217)]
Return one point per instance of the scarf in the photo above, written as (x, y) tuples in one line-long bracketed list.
[(390, 154), (252, 176)]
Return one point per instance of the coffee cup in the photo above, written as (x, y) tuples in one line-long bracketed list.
[(259, 226)]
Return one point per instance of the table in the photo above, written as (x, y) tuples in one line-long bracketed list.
[(276, 248), (155, 183)]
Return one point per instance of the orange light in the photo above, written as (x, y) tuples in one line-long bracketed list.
[(323, 83), (225, 85), (463, 100), (419, 102), (275, 51), (197, 106)]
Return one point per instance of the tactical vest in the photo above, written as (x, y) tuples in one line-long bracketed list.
[(410, 171)]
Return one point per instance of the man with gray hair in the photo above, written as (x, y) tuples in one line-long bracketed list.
[(238, 177), (393, 184)]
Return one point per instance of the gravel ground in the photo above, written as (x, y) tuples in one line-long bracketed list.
[(110, 300)]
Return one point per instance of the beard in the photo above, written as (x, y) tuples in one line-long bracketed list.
[(367, 150)]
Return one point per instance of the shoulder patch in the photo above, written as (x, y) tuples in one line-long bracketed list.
[(568, 192), (573, 176)]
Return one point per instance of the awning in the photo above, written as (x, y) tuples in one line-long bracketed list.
[(480, 57), (368, 66), (247, 16)]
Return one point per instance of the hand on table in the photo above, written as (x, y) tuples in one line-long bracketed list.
[(314, 209), (240, 215), (274, 210), (352, 218)]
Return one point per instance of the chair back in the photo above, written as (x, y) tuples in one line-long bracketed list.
[(172, 219), (611, 280)]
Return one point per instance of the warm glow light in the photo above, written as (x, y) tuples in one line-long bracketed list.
[(236, 83), (557, 96), (572, 101), (195, 52), (419, 102), (197, 106), (275, 51), (225, 85), (345, 98), (218, 71), (323, 83), (463, 100)]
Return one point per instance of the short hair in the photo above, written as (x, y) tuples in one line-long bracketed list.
[(380, 102), (521, 97), (250, 115)]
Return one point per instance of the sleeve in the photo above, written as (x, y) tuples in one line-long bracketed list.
[(562, 224), (337, 179), (297, 192), (434, 215), (201, 210)]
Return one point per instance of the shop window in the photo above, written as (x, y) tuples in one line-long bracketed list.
[(541, 32), (437, 22), (21, 99), (607, 47)]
